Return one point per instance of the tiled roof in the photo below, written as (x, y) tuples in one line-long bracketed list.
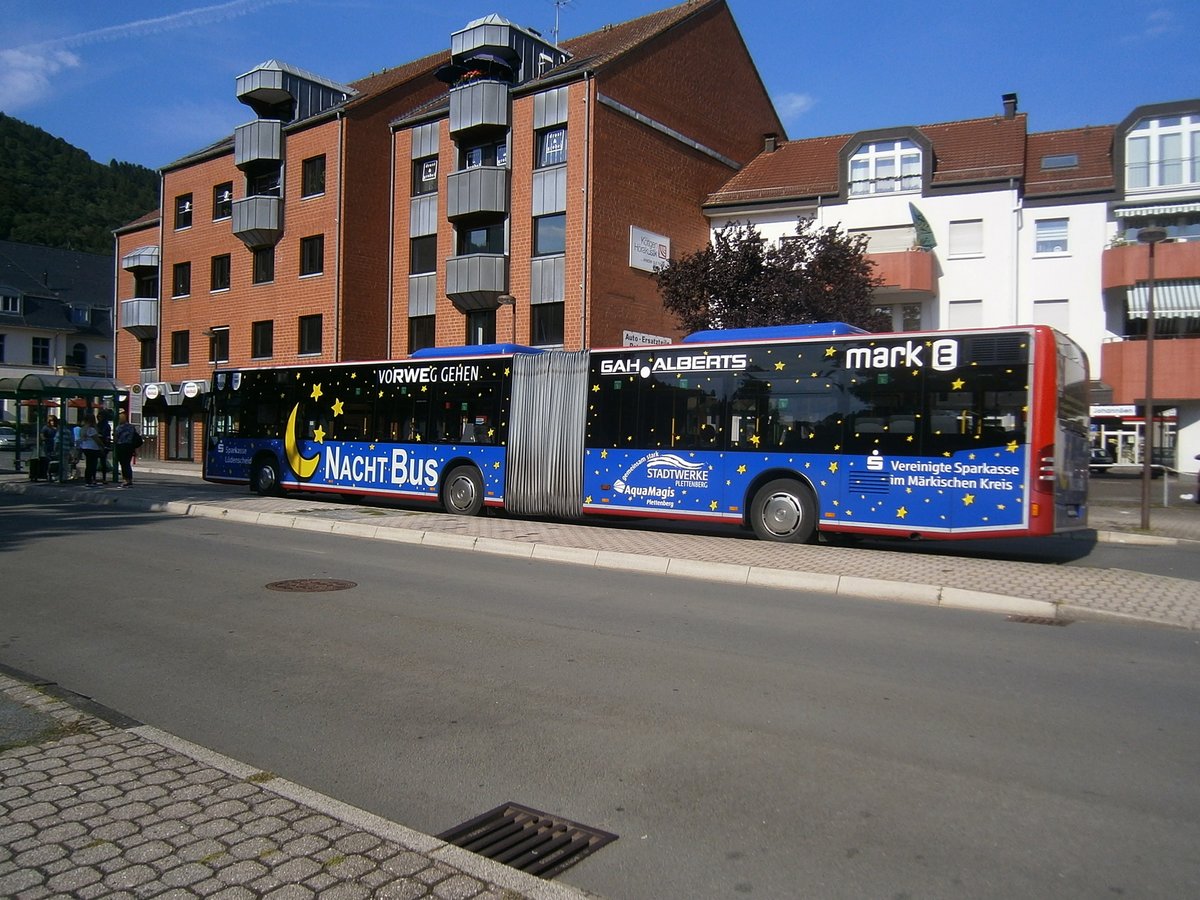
[(49, 277), (390, 78), (970, 151), (1092, 145), (612, 41)]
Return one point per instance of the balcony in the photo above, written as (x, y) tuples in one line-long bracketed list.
[(479, 104), (1176, 375), (139, 317), (483, 189), (258, 221), (906, 270), (255, 141), (476, 281), (1128, 264)]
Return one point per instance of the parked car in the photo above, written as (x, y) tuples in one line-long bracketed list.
[(8, 439), (1101, 460)]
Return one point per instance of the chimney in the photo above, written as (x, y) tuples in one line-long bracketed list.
[(770, 142), (1010, 105)]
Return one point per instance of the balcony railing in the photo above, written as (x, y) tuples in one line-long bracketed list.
[(477, 280), (258, 221), (483, 189), (906, 270), (479, 104), (139, 317), (261, 139), (1128, 264)]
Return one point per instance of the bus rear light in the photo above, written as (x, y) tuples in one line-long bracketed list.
[(1035, 509), (1046, 471)]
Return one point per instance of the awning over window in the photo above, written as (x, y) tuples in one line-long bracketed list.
[(1172, 300), (142, 257), (1164, 210)]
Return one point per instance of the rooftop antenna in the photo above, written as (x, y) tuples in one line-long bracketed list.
[(558, 5)]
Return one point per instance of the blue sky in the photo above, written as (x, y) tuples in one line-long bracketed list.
[(148, 82)]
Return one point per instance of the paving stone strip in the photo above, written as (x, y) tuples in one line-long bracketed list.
[(91, 809)]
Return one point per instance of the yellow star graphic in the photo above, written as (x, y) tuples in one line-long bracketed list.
[(1001, 506), (595, 388), (353, 375), (337, 408), (496, 464), (779, 366), (741, 470), (909, 439), (957, 384), (901, 512), (830, 351), (381, 393), (833, 467), (970, 456), (968, 499), (316, 392), (755, 439), (424, 388), (713, 506), (319, 435), (604, 454), (587, 499), (491, 432), (1012, 447), (507, 370)]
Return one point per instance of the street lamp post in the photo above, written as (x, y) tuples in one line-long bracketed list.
[(510, 300), (1150, 236)]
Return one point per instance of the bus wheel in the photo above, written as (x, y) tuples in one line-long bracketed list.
[(265, 477), (462, 494), (783, 511)]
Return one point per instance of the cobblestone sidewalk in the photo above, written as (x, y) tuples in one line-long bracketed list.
[(91, 809)]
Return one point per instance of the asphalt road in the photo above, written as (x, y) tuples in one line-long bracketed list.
[(740, 743)]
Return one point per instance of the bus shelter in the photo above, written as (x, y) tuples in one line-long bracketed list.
[(38, 395)]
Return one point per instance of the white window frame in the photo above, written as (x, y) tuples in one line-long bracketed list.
[(10, 304), (966, 239), (1152, 164), (885, 167), (1052, 237)]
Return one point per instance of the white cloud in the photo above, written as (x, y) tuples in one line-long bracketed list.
[(792, 106), (1160, 21), (25, 74)]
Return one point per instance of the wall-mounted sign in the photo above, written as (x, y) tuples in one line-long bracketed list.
[(648, 251), (191, 390), (641, 339), (151, 392), (1099, 412)]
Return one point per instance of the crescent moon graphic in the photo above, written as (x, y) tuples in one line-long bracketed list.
[(301, 466)]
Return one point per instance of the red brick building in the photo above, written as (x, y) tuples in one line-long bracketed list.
[(432, 203)]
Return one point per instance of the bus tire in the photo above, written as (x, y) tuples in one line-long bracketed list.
[(264, 477), (784, 511), (462, 492)]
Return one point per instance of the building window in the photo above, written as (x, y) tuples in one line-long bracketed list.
[(40, 351), (1051, 236), (262, 339), (1060, 161), (492, 154), (223, 201), (966, 238), (481, 327), (424, 179), (312, 255), (11, 304), (181, 280), (422, 258), (264, 265), (965, 314), (483, 239), (551, 147), (183, 211), (264, 183), (148, 354), (310, 335), (220, 273), (145, 284), (546, 323), (312, 179), (420, 332), (179, 348), (1054, 313), (550, 235), (218, 345), (1163, 152), (885, 167)]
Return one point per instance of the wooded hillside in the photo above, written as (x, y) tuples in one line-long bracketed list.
[(55, 195)]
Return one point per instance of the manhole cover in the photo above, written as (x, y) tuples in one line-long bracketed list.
[(311, 585), (535, 842)]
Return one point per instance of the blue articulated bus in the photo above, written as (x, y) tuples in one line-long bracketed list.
[(789, 431)]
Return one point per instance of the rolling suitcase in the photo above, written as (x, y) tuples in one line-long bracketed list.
[(37, 468)]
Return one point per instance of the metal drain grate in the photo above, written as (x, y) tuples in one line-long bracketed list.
[(535, 842), (311, 585), (1039, 620)]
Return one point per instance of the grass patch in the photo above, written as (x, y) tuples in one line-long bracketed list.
[(261, 777)]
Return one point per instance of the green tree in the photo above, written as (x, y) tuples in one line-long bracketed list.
[(741, 281)]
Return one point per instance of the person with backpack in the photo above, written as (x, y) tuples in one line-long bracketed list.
[(127, 440)]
